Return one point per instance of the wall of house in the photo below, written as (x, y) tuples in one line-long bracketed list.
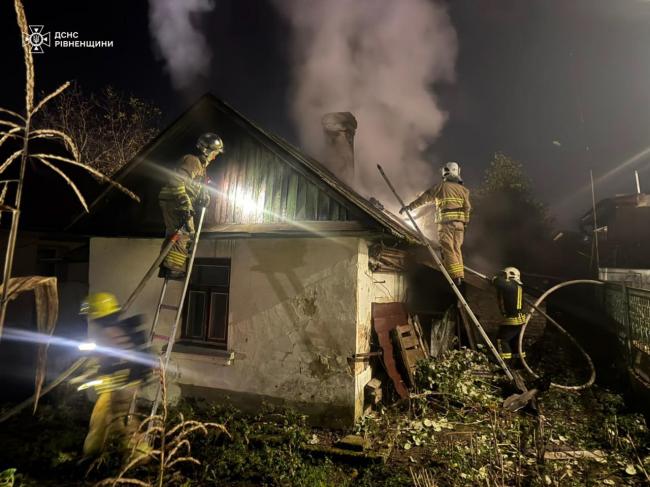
[(293, 313), (374, 287)]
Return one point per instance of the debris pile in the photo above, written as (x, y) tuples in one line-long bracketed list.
[(457, 430)]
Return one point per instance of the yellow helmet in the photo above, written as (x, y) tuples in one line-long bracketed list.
[(99, 305)]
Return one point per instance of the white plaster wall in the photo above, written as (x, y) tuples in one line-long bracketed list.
[(362, 370), (117, 265), (373, 287), (292, 317)]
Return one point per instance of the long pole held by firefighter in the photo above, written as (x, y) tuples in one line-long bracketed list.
[(459, 295)]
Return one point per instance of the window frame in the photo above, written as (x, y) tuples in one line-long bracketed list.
[(207, 318)]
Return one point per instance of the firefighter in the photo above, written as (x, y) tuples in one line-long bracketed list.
[(115, 373), (510, 295), (452, 216), (184, 193)]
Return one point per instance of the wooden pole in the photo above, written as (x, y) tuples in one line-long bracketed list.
[(593, 207)]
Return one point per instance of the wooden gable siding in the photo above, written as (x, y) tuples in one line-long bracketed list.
[(253, 185)]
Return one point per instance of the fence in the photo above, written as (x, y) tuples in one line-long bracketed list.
[(629, 309)]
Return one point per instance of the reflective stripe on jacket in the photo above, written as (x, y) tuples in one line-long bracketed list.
[(451, 200), (510, 295)]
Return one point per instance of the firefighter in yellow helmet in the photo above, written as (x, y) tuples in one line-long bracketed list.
[(510, 295), (453, 209), (120, 364), (180, 199)]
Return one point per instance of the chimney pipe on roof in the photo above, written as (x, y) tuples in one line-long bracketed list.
[(340, 128)]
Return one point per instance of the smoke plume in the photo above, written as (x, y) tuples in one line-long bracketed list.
[(180, 42), (378, 59)]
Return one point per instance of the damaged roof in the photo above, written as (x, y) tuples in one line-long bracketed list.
[(280, 181)]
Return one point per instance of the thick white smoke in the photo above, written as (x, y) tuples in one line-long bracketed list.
[(378, 59), (179, 40)]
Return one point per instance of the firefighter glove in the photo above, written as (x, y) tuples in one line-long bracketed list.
[(203, 199)]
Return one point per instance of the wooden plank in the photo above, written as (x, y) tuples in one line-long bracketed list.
[(385, 317), (268, 190), (292, 196), (286, 175), (405, 328), (410, 341), (257, 190), (301, 201), (323, 211), (407, 339), (311, 205), (414, 355), (334, 210), (224, 188), (277, 191)]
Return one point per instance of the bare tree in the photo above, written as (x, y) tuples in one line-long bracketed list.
[(108, 127), (19, 128)]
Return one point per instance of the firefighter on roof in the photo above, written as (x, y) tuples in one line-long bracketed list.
[(119, 366), (510, 295), (452, 215), (179, 199)]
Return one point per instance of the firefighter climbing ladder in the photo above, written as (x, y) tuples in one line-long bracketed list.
[(162, 306), (176, 308), (461, 298)]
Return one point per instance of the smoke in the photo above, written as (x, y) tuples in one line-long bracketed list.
[(378, 59), (180, 42)]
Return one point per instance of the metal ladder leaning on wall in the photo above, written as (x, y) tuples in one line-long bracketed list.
[(162, 306), (177, 308)]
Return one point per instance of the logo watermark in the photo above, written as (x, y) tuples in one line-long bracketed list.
[(38, 38)]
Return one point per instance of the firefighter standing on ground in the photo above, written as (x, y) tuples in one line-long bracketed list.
[(180, 197), (452, 215), (115, 375), (510, 295)]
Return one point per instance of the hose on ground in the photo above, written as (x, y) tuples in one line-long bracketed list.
[(536, 307)]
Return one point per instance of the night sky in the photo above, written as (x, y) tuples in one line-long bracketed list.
[(541, 80)]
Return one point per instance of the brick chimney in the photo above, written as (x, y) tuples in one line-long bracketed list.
[(340, 128)]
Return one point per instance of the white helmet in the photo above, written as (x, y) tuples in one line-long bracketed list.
[(451, 169), (512, 273)]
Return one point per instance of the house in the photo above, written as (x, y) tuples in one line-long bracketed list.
[(280, 301), (623, 232)]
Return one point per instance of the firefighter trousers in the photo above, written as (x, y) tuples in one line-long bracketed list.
[(451, 236), (176, 259), (508, 345), (109, 418)]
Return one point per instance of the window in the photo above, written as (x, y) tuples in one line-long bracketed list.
[(206, 311)]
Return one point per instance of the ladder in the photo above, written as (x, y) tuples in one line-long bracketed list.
[(178, 309)]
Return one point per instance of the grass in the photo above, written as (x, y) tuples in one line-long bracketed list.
[(454, 433)]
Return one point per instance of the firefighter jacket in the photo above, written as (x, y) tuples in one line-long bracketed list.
[(510, 295), (123, 359), (185, 185), (451, 199)]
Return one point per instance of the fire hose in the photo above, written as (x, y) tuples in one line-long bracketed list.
[(536, 307)]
